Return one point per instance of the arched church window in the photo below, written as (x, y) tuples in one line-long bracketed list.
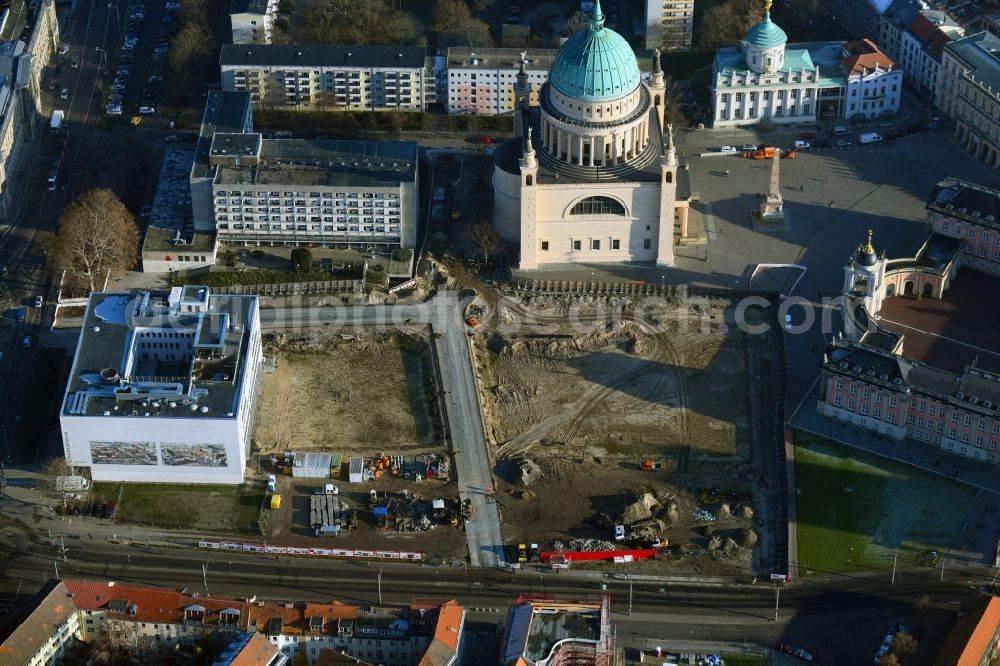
[(598, 206)]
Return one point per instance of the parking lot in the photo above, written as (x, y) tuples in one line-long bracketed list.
[(132, 84)]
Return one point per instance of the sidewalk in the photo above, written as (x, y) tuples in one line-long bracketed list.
[(979, 475)]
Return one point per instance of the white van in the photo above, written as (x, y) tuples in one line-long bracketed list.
[(840, 130), (147, 110)]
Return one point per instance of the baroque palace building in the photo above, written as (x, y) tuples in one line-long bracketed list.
[(867, 380), (591, 175)]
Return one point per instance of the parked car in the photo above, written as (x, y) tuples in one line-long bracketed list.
[(802, 145), (748, 146), (161, 49), (64, 94), (113, 109), (19, 314), (52, 85), (155, 78), (728, 150), (38, 301), (844, 143), (26, 342), (171, 6), (64, 49)]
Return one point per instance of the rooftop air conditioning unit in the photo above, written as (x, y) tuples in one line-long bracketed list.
[(883, 377), (897, 381), (960, 395), (974, 400)]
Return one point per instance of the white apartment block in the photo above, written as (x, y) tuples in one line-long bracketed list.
[(164, 386), (874, 82), (253, 20), (288, 192), (968, 90), (669, 25), (335, 78), (481, 81)]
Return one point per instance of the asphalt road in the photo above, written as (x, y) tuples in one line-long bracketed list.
[(812, 615), (460, 396)]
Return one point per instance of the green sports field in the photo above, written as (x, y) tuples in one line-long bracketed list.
[(855, 510)]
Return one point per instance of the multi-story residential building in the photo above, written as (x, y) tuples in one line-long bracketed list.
[(164, 386), (40, 633), (669, 25), (154, 620), (481, 81), (288, 192), (28, 38), (990, 22), (766, 79), (874, 82), (968, 90), (858, 18), (866, 378), (543, 630), (253, 20), (422, 634), (226, 113), (974, 638), (348, 78), (915, 38)]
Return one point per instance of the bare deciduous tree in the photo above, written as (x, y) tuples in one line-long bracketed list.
[(888, 659), (727, 24), (486, 239), (96, 236)]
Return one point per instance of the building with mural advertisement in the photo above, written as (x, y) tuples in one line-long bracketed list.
[(891, 371), (163, 386)]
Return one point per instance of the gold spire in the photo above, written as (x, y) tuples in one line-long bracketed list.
[(767, 6), (868, 247)]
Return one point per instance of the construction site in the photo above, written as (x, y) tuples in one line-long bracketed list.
[(632, 422), (360, 394)]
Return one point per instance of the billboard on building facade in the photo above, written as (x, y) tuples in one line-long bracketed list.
[(196, 455), (123, 453)]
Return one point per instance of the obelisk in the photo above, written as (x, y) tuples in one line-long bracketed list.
[(771, 215)]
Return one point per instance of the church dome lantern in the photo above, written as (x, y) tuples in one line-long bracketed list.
[(865, 256)]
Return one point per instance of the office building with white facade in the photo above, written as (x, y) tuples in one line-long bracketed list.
[(591, 175), (968, 90), (334, 78), (767, 79), (669, 25), (253, 20), (164, 386)]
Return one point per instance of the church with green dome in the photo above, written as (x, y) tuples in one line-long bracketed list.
[(766, 79), (591, 174)]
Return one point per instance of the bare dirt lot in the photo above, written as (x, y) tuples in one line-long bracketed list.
[(366, 394), (577, 392)]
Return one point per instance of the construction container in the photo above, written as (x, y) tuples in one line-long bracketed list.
[(311, 465), (275, 502), (356, 470), (336, 460)]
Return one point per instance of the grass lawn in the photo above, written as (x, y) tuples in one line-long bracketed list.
[(744, 660), (856, 510), (196, 507)]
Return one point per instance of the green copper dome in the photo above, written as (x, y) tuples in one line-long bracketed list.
[(595, 64), (766, 34)]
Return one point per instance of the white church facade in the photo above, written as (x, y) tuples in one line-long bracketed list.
[(591, 175)]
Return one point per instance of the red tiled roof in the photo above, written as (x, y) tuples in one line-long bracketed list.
[(921, 27), (152, 604), (263, 611), (863, 55), (257, 652), (50, 608), (972, 633), (446, 635)]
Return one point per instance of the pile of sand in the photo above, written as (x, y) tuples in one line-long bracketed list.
[(640, 508), (529, 471)]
